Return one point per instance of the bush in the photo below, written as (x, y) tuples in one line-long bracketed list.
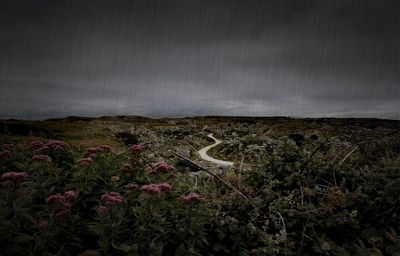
[(68, 202)]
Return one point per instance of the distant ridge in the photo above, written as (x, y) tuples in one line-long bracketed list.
[(136, 117)]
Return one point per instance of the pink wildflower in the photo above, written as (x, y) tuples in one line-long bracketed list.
[(57, 145), (164, 167), (105, 148), (94, 151), (131, 186), (151, 189), (55, 199), (45, 147), (65, 205), (136, 148), (70, 195), (60, 203), (91, 155), (111, 199), (85, 161), (126, 167), (8, 146), (102, 210), (115, 194), (192, 197), (42, 158), (151, 171), (62, 214), (14, 176), (5, 154), (165, 187), (36, 144)]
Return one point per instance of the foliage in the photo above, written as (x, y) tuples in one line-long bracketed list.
[(121, 204)]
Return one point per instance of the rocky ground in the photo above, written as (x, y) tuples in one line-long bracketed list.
[(246, 141), (297, 186)]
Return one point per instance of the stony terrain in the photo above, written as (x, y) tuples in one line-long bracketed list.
[(137, 186), (250, 139)]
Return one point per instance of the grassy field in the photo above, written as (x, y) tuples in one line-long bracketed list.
[(114, 186)]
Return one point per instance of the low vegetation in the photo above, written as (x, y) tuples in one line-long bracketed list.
[(59, 198)]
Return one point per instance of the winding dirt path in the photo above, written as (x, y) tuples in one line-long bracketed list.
[(203, 153)]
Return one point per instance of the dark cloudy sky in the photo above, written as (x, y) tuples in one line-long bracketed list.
[(199, 57)]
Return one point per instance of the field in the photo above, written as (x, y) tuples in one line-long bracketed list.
[(124, 186)]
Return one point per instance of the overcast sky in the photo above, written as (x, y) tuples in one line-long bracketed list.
[(303, 58)]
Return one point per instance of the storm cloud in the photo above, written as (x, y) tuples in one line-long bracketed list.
[(200, 57)]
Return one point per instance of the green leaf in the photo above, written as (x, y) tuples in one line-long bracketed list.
[(22, 239), (221, 236), (122, 247)]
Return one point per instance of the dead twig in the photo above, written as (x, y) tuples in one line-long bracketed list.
[(265, 184), (190, 145), (313, 153), (302, 196), (284, 228), (302, 236), (240, 171), (306, 236), (351, 152), (338, 154), (212, 174), (334, 176)]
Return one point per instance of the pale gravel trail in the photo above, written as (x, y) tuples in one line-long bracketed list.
[(203, 153)]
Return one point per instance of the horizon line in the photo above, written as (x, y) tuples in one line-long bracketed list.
[(188, 117)]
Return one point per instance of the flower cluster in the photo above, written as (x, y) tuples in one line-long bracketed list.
[(94, 151), (57, 145), (105, 148), (61, 204), (130, 187), (36, 144), (111, 199), (151, 189), (136, 148), (164, 167), (192, 197), (56, 199), (165, 187), (102, 210), (86, 161), (70, 195), (5, 154), (126, 167), (53, 144), (14, 176), (42, 158), (161, 167), (8, 146), (156, 188)]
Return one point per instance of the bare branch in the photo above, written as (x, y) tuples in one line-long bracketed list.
[(212, 174), (351, 152)]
